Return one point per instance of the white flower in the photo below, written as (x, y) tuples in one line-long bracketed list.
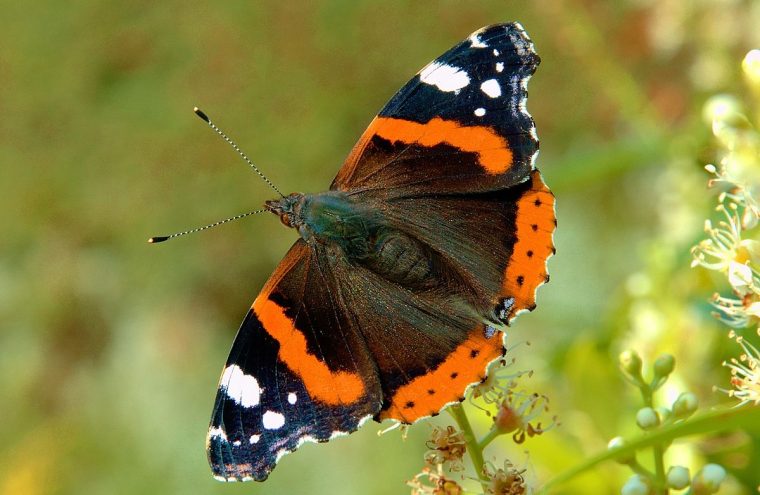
[(740, 277), (745, 372)]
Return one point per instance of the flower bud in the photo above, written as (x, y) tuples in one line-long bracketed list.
[(708, 479), (749, 218), (630, 362), (618, 443), (664, 365), (678, 477), (647, 418), (507, 419), (636, 485), (751, 66), (450, 487), (723, 108), (664, 413), (685, 405)]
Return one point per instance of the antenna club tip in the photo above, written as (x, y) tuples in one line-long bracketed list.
[(200, 114), (157, 239)]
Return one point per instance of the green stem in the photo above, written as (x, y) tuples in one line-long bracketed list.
[(639, 469), (490, 437), (720, 419), (473, 448), (647, 393), (659, 470)]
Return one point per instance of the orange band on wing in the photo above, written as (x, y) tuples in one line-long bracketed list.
[(428, 393), (330, 387), (535, 223), (493, 150)]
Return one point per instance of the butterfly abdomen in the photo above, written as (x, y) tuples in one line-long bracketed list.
[(399, 258)]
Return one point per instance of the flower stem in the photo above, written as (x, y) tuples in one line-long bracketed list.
[(647, 392), (490, 437), (659, 470), (473, 448), (719, 419)]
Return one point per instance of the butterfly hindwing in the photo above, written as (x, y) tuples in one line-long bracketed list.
[(497, 242), (486, 254), (427, 343)]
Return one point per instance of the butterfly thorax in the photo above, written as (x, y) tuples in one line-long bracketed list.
[(334, 220)]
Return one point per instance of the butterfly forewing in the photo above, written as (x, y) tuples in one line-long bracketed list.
[(297, 372), (459, 125)]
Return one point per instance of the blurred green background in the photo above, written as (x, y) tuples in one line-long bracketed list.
[(110, 348)]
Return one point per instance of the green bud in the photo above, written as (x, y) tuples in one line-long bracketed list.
[(630, 362), (664, 365), (707, 481), (617, 443), (636, 485), (685, 405), (678, 477), (647, 418), (664, 413)]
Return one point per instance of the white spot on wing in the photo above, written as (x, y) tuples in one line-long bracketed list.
[(499, 66), (254, 439), (445, 77), (242, 388), (476, 42), (480, 112), (218, 433), (292, 397), (495, 52), (491, 88), (236, 443), (273, 420)]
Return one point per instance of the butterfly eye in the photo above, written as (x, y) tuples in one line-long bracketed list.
[(285, 219)]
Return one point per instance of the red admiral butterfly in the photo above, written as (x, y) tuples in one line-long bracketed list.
[(432, 237)]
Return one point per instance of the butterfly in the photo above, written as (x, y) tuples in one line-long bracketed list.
[(432, 237)]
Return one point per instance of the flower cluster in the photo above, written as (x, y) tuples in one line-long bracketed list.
[(727, 251), (432, 481), (505, 481), (745, 372), (514, 412), (730, 247), (706, 482), (447, 447), (650, 418)]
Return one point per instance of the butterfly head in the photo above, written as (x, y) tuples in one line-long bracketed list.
[(288, 208), (325, 218)]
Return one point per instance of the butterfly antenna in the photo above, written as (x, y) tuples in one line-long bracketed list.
[(162, 238), (216, 129)]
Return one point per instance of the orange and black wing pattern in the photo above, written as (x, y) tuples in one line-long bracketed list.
[(490, 250), (297, 372), (460, 125)]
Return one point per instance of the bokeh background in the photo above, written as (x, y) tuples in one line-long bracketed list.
[(110, 348)]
